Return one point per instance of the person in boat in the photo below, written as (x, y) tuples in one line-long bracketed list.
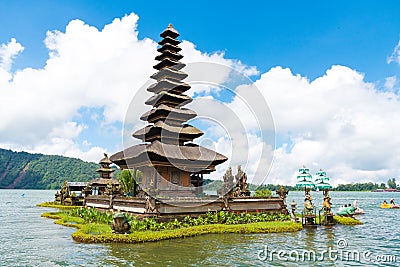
[(342, 207), (392, 202), (384, 202), (358, 209)]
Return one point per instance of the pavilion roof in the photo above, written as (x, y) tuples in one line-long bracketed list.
[(104, 181), (189, 153)]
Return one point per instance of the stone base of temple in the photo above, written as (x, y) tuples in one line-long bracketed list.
[(171, 208)]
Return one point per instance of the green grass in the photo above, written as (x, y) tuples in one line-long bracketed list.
[(96, 229), (102, 233), (56, 206), (63, 218), (346, 220), (152, 236)]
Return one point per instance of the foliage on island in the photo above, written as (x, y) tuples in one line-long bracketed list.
[(94, 226), (90, 215)]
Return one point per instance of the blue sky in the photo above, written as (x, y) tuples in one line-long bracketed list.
[(323, 68), (308, 37)]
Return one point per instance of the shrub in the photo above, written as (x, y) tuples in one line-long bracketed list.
[(263, 193)]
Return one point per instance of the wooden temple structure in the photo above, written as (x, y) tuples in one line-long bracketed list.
[(172, 165), (105, 181)]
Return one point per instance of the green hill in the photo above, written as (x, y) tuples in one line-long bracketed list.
[(37, 171)]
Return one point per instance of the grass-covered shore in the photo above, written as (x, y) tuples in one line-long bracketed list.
[(102, 233), (95, 227), (56, 206)]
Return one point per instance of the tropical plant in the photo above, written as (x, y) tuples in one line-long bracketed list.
[(129, 180), (263, 193)]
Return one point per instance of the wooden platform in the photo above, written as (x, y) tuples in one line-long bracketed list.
[(175, 207)]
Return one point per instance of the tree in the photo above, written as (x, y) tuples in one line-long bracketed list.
[(129, 180), (392, 183), (263, 193)]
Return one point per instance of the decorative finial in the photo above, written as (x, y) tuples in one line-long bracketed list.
[(105, 155), (170, 25)]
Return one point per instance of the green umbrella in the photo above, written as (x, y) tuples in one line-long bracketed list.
[(305, 185), (304, 179), (322, 181), (323, 186)]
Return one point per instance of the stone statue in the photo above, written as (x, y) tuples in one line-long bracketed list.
[(282, 193), (241, 183), (64, 194), (308, 205), (120, 224), (227, 184), (57, 197), (327, 204)]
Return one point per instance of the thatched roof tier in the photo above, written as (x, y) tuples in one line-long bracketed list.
[(167, 85), (169, 40), (169, 73), (168, 133), (103, 182), (169, 54), (169, 32), (166, 62), (105, 170), (191, 157), (169, 47), (171, 100), (105, 160), (164, 112)]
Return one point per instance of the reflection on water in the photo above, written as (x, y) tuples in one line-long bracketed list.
[(30, 240)]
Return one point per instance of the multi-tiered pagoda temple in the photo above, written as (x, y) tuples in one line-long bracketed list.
[(167, 158), (100, 184)]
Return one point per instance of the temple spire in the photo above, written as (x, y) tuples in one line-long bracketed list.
[(168, 115)]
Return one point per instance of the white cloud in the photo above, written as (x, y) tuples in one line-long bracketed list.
[(390, 82), (395, 57), (338, 121), (8, 52)]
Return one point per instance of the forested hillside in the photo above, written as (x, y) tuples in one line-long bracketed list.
[(37, 171)]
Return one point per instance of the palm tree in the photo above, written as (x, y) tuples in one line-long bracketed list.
[(129, 180)]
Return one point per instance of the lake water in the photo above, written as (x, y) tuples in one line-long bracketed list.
[(26, 239)]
